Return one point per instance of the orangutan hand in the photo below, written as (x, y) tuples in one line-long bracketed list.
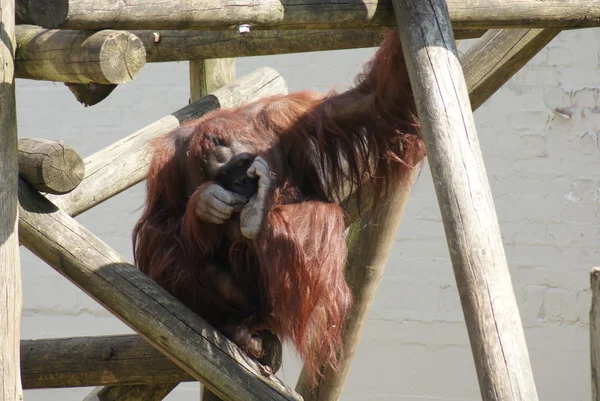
[(215, 204), (253, 212)]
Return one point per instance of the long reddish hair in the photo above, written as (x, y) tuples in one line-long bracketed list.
[(290, 279)]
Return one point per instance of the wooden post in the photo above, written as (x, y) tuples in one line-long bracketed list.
[(299, 14), (10, 268), (104, 57), (50, 166), (595, 333), (124, 163), (207, 76), (143, 305), (470, 221)]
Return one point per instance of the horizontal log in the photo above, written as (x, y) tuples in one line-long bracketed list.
[(125, 360), (125, 163), (50, 166), (148, 392), (105, 57), (196, 45), (143, 305), (300, 14)]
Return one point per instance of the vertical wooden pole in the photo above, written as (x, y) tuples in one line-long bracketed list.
[(595, 333), (10, 269), (207, 76), (463, 191)]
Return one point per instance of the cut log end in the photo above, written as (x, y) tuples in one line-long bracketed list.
[(122, 56), (49, 166)]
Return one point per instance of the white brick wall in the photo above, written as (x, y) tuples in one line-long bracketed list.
[(543, 168)]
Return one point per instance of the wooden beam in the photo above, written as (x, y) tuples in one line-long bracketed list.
[(207, 76), (497, 56), (50, 166), (194, 45), (122, 360), (595, 333), (299, 14), (10, 267), (138, 301), (468, 213), (370, 241), (105, 57), (125, 163), (149, 392)]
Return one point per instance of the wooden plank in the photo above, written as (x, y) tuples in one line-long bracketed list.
[(125, 163), (105, 57), (125, 360), (300, 14), (148, 392), (468, 213), (142, 304), (595, 333), (195, 45), (497, 56), (50, 166), (10, 267)]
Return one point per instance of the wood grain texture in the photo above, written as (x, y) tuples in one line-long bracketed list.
[(10, 268), (468, 213), (126, 360), (195, 45), (301, 14), (595, 333), (105, 57), (370, 241), (206, 76), (124, 163), (142, 304), (148, 392), (50, 166), (503, 53)]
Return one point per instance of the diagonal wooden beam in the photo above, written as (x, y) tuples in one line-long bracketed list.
[(133, 297), (124, 163)]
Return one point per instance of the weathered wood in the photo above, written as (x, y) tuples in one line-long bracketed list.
[(10, 267), (468, 213), (124, 163), (370, 241), (142, 304), (504, 53), (196, 45), (149, 392), (90, 94), (595, 333), (206, 76), (126, 360), (299, 14), (22, 12), (50, 166), (105, 57)]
